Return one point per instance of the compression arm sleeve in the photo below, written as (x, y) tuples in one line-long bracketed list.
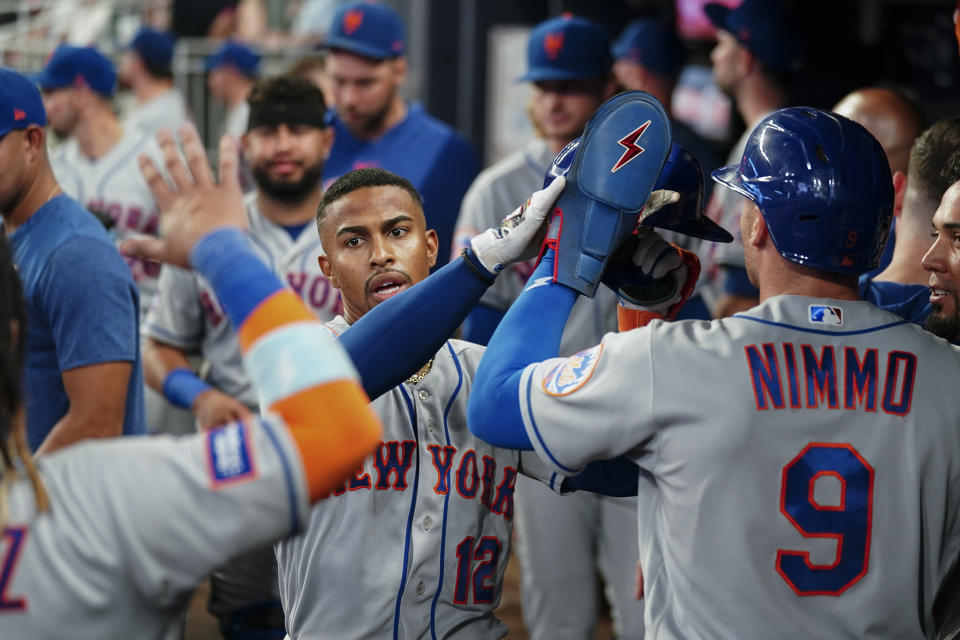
[(529, 332), (412, 326), (300, 370), (480, 323)]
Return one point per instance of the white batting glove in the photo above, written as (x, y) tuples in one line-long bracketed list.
[(519, 236)]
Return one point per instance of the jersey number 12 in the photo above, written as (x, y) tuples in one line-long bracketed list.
[(848, 522)]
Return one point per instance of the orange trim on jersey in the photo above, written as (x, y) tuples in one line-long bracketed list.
[(334, 429), (282, 307), (628, 319)]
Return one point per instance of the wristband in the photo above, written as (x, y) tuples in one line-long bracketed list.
[(478, 269), (182, 386)]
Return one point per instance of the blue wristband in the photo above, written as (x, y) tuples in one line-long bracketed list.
[(182, 386)]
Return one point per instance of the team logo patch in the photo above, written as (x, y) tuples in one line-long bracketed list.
[(553, 44), (632, 149), (570, 375), (19, 114), (823, 314), (352, 21), (228, 455)]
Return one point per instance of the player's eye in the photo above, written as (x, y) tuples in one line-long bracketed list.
[(398, 232), (353, 241)]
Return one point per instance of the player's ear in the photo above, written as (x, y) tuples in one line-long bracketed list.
[(328, 272), (399, 70), (899, 190), (432, 243), (34, 143), (327, 141)]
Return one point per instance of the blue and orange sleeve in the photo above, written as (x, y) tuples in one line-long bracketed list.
[(300, 370)]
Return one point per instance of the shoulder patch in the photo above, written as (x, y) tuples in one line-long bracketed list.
[(573, 373), (229, 455)]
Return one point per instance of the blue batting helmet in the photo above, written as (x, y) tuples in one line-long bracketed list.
[(823, 185), (681, 173)]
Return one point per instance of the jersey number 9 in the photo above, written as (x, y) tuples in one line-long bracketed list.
[(849, 522)]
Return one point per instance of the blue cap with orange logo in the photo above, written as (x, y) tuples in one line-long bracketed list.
[(765, 28), (20, 102), (567, 48), (71, 66), (367, 29)]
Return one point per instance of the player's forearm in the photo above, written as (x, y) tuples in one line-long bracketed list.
[(416, 315), (159, 360), (529, 332), (299, 369)]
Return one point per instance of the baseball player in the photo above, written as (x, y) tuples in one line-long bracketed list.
[(284, 146), (942, 261), (376, 127), (95, 164), (569, 71), (802, 463), (89, 550), (145, 69)]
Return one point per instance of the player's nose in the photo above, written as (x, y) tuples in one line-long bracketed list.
[(381, 252), (934, 258)]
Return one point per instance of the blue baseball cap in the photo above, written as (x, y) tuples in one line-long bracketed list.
[(71, 66), (367, 29), (233, 54), (567, 48), (20, 102), (154, 47), (650, 43), (765, 28)]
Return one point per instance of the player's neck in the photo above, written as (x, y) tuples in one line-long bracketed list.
[(756, 98), (41, 190), (284, 213), (97, 135), (905, 266), (787, 278), (147, 90), (395, 115)]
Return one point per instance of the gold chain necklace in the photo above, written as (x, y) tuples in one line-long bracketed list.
[(417, 377)]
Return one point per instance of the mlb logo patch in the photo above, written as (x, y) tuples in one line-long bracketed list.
[(823, 314), (229, 456), (570, 375)]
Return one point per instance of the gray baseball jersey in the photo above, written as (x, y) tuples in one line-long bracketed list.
[(415, 544), (166, 111), (807, 466), (113, 187), (135, 523), (497, 191), (186, 313)]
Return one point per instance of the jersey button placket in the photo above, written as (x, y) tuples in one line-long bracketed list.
[(423, 394)]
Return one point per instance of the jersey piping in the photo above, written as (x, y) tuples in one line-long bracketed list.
[(446, 498), (413, 506), (823, 332)]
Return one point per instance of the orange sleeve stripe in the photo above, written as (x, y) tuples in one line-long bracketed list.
[(334, 429), (283, 307)]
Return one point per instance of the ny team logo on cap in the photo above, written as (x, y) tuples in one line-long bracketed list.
[(553, 44), (352, 21), (823, 314), (632, 149)]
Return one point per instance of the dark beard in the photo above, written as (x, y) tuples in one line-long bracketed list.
[(947, 327), (289, 192)]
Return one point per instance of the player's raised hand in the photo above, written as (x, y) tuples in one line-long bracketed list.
[(191, 203), (520, 234)]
